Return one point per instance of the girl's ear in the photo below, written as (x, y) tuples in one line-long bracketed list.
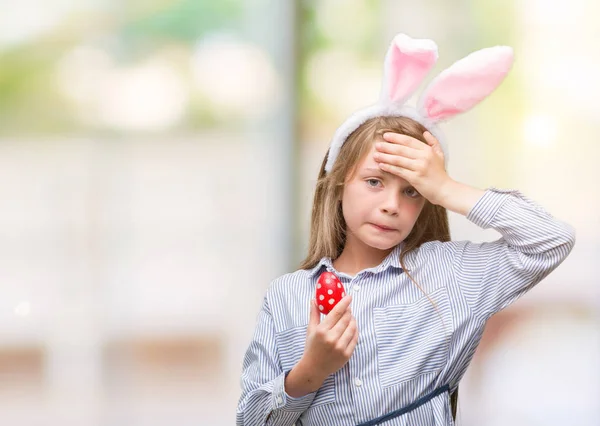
[(407, 62), (465, 83)]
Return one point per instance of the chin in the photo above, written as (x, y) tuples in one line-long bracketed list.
[(381, 243)]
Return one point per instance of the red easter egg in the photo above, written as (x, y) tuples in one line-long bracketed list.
[(329, 292)]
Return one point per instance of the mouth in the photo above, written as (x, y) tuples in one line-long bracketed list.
[(382, 228)]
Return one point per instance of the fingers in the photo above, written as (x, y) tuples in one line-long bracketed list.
[(396, 160), (339, 328), (391, 148), (315, 316), (434, 144), (337, 312), (402, 172), (352, 344), (431, 140), (405, 140), (348, 334)]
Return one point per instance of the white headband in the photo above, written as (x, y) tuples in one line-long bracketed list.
[(455, 90)]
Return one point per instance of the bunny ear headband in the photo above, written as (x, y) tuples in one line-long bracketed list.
[(455, 90)]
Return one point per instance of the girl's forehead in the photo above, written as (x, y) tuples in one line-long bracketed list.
[(368, 160)]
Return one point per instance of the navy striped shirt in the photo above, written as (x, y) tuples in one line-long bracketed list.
[(407, 348)]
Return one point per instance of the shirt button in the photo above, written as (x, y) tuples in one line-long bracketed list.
[(279, 400), (356, 288), (358, 382)]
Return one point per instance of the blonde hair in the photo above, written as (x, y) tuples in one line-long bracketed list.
[(328, 227)]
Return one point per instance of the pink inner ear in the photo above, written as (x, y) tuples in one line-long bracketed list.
[(438, 111), (407, 69), (456, 95), (466, 83)]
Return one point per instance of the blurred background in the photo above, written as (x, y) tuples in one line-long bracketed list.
[(157, 163)]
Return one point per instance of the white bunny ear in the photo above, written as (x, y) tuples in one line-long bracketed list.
[(466, 83), (407, 62)]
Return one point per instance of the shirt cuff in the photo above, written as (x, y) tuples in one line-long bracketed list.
[(281, 400), (483, 212)]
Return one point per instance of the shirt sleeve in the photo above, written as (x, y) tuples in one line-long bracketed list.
[(493, 275), (264, 400)]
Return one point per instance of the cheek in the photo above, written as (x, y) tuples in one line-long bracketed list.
[(413, 211), (353, 204), (351, 210)]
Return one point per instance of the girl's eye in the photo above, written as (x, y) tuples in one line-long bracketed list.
[(412, 192), (373, 182)]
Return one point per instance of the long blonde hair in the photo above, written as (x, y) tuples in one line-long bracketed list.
[(328, 227)]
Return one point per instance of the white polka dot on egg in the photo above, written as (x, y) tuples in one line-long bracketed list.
[(339, 285), (330, 292), (321, 297), (318, 285), (331, 301), (320, 307)]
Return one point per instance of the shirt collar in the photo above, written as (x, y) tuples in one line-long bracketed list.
[(391, 260)]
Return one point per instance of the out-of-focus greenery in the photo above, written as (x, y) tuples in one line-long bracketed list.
[(30, 99), (312, 40), (494, 24), (184, 21)]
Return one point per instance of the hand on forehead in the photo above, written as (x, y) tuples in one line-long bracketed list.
[(369, 167)]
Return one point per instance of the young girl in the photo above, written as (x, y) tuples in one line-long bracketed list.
[(394, 349)]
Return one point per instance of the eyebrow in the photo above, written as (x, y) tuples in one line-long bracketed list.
[(382, 172)]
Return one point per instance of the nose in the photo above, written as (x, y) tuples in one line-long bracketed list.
[(391, 203)]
